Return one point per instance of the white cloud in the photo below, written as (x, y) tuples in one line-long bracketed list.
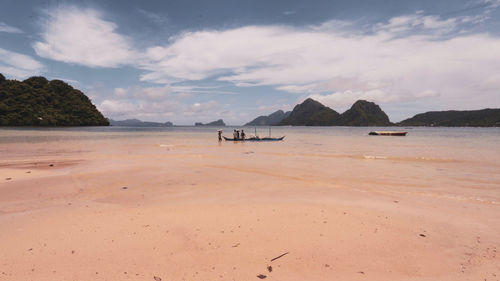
[(9, 29), (387, 65), (347, 98), (407, 58), (152, 93), (491, 83), (116, 108), (120, 92), (201, 109), (82, 36), (18, 65), (418, 22), (493, 3)]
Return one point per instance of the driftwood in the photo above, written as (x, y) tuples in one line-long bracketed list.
[(279, 256)]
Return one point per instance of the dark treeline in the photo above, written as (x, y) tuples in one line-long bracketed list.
[(39, 102)]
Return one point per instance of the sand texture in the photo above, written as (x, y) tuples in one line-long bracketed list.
[(157, 207)]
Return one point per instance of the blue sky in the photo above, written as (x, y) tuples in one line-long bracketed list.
[(191, 61)]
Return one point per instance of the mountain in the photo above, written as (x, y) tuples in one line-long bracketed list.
[(138, 123), (39, 102), (311, 113), (214, 123), (270, 120), (454, 118), (364, 113)]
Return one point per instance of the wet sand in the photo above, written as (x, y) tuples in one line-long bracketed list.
[(177, 208)]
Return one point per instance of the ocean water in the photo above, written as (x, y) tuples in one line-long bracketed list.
[(460, 163), (434, 142)]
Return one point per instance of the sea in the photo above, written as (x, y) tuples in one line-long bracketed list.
[(463, 163)]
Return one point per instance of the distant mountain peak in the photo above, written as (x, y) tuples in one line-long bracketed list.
[(219, 122), (365, 113), (311, 113), (270, 120)]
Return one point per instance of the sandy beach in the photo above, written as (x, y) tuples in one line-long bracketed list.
[(181, 206)]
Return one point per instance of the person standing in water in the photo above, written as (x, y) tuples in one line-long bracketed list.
[(243, 134), (220, 134)]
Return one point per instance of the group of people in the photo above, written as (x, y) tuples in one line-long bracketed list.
[(237, 135)]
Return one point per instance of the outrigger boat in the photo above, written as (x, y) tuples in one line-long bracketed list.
[(255, 139), (387, 133)]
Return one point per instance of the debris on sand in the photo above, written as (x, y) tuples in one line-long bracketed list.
[(422, 235), (156, 278), (270, 268), (51, 165), (361, 272), (125, 187), (8, 179), (261, 276), (236, 245), (280, 256)]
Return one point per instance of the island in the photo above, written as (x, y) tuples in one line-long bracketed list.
[(138, 123), (313, 113), (270, 120), (455, 118), (219, 123), (39, 102)]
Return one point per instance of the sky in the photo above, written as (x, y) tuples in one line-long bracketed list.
[(198, 61)]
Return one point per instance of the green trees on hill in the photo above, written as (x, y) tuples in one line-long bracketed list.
[(313, 113), (454, 118), (39, 102)]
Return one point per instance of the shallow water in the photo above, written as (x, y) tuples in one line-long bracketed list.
[(459, 163)]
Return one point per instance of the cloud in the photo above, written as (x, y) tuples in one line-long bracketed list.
[(201, 109), (18, 65), (348, 97), (116, 108), (9, 29), (403, 59), (492, 3), (419, 22), (82, 36), (154, 17), (490, 83), (120, 92), (406, 58)]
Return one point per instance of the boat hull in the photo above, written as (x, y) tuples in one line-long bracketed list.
[(255, 139), (388, 133)]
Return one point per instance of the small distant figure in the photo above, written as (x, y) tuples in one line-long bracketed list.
[(220, 134), (237, 134), (234, 135), (243, 135)]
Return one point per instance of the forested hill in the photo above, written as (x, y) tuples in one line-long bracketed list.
[(39, 102), (454, 118)]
